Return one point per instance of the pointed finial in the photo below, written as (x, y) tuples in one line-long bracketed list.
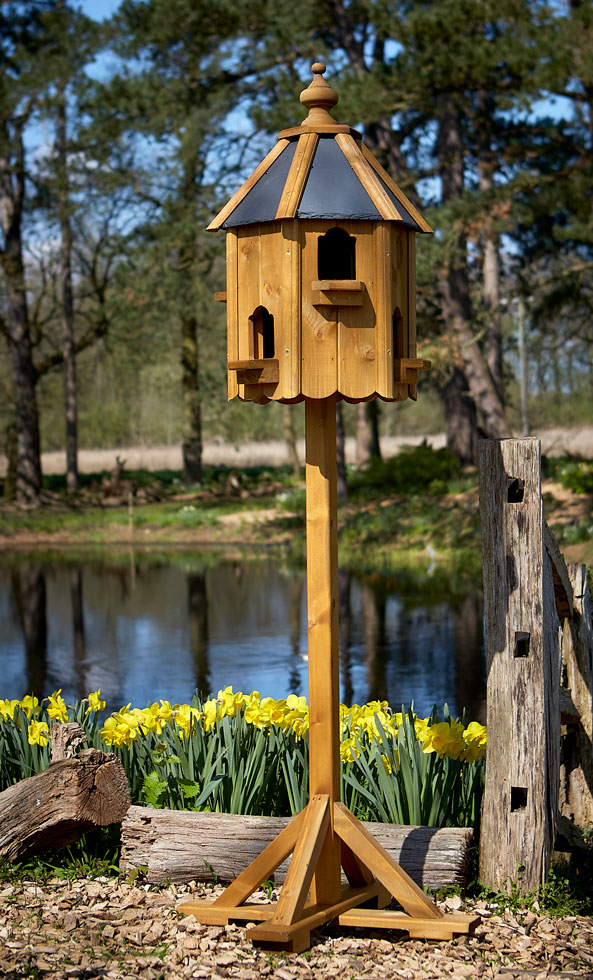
[(319, 98)]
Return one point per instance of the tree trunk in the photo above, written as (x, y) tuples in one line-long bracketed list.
[(192, 414), (341, 453), (70, 401), (58, 805), (455, 291), (11, 452), (12, 194), (490, 258), (178, 845), (363, 436), (290, 439), (373, 413), (460, 419)]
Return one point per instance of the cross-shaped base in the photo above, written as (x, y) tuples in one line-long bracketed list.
[(374, 879)]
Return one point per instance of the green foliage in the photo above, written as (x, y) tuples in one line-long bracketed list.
[(564, 894), (415, 469), (239, 754), (94, 855), (392, 780), (577, 476)]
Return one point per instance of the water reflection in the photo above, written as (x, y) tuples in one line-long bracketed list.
[(141, 628)]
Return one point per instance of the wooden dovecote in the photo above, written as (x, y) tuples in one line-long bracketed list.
[(321, 269)]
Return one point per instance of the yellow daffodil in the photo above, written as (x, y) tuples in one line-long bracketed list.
[(7, 708), (349, 750), (166, 711), (152, 720), (29, 704), (445, 738), (210, 714), (121, 728), (229, 703), (475, 738), (56, 707), (95, 702), (185, 717), (38, 733)]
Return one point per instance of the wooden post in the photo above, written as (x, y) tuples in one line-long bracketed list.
[(576, 776), (523, 662), (325, 837), (322, 612)]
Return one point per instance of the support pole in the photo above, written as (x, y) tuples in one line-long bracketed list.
[(325, 837), (322, 612)]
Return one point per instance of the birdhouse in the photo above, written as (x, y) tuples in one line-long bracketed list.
[(320, 269)]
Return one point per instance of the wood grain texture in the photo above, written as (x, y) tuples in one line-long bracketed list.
[(374, 856), (523, 663), (319, 325), (384, 345), (297, 176), (356, 325), (295, 889), (57, 806), (367, 177), (289, 329), (232, 308), (560, 576), (322, 614), (264, 864), (185, 846), (454, 923), (576, 772)]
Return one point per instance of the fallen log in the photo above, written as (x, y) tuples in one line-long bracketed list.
[(182, 846), (56, 806)]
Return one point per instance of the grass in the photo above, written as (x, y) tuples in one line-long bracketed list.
[(418, 506), (565, 893), (94, 855)]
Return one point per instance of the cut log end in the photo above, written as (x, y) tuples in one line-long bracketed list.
[(56, 806)]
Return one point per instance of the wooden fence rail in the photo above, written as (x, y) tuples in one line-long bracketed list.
[(539, 649)]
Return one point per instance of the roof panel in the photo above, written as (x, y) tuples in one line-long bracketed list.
[(406, 218), (333, 190), (261, 203)]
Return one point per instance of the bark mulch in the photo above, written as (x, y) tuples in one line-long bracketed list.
[(112, 929)]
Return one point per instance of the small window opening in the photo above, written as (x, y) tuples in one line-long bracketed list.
[(262, 334), (518, 798), (397, 329), (521, 644), (336, 255), (515, 490)]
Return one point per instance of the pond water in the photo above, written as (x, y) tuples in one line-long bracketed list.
[(142, 627)]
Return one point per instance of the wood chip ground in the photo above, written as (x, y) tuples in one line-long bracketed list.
[(118, 931)]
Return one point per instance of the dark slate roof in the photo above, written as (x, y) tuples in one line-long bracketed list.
[(331, 190)]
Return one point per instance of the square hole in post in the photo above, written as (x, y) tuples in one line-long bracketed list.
[(521, 644), (518, 798), (515, 490)]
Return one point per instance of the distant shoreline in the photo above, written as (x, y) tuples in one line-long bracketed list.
[(557, 441)]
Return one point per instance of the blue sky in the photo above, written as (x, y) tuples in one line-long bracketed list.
[(99, 9)]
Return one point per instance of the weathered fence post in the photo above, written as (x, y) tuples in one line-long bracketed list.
[(523, 662), (576, 770)]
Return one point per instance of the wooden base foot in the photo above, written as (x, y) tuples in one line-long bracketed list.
[(374, 879)]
